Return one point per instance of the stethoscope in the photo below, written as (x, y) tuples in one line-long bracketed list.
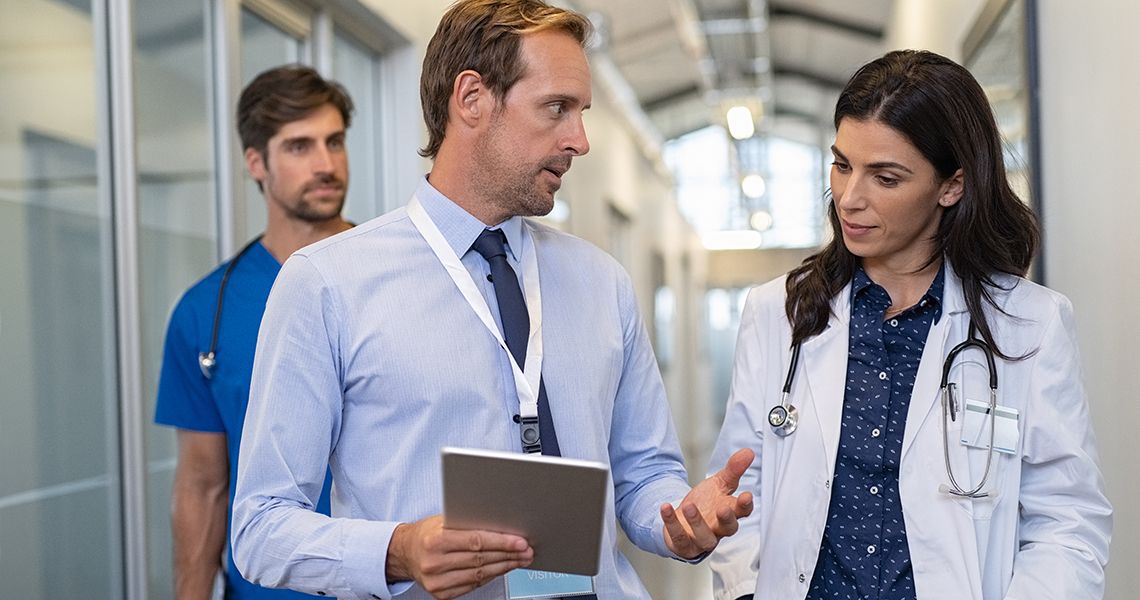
[(784, 418), (209, 359)]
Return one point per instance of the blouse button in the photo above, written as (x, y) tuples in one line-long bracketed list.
[(875, 432), (871, 549), (874, 489), (894, 322), (883, 375)]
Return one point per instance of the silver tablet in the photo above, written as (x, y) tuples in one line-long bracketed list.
[(557, 504)]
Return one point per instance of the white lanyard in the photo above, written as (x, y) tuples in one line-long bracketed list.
[(526, 382)]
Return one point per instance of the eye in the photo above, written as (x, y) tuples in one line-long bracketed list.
[(556, 108), (841, 166), (887, 180), (336, 144), (296, 147)]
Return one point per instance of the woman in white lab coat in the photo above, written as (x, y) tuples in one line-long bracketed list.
[(854, 493)]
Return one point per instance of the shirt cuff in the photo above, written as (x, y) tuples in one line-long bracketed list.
[(365, 561)]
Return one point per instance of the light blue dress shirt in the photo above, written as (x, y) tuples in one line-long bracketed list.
[(370, 360)]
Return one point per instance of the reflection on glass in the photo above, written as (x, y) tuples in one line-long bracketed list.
[(176, 214), (356, 68), (999, 64), (59, 495), (263, 46)]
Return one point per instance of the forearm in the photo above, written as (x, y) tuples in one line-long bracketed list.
[(198, 523), (279, 544)]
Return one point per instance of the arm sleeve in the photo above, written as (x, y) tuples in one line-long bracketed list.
[(290, 429), (1065, 518), (734, 562), (184, 397), (645, 456)]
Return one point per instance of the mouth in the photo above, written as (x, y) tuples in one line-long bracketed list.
[(557, 166), (330, 187), (855, 228)]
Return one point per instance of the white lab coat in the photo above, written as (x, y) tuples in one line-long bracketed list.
[(1044, 532)]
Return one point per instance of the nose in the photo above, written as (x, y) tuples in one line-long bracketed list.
[(849, 193), (322, 160), (576, 143)]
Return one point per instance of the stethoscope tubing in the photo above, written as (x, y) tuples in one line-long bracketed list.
[(209, 359), (784, 417)]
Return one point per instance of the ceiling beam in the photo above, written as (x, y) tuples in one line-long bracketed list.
[(815, 79), (670, 97), (777, 10)]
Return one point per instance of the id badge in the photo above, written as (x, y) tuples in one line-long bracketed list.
[(976, 428), (524, 583)]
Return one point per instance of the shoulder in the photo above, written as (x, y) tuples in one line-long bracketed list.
[(561, 247), (766, 300), (200, 297), (1024, 299), (352, 240)]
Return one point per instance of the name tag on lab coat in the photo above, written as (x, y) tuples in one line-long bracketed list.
[(976, 429)]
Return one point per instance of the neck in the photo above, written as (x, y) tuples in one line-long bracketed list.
[(452, 173), (905, 286), (283, 236)]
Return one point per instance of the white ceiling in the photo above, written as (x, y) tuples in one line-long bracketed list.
[(685, 58)]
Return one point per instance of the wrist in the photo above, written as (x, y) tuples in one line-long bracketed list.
[(395, 565)]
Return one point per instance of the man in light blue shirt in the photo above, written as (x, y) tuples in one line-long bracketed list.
[(381, 345)]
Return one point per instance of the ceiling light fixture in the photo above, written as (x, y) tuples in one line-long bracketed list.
[(740, 125), (753, 186), (761, 220)]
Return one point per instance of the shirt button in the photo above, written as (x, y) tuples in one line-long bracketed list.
[(894, 322), (874, 489), (883, 375), (875, 432), (802, 578), (871, 549)]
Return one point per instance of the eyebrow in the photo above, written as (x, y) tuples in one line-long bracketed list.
[(886, 164)]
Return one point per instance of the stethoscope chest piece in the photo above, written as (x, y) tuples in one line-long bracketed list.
[(206, 362), (783, 419)]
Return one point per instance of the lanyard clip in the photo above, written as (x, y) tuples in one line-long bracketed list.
[(528, 431)]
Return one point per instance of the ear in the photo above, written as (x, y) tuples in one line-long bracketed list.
[(951, 190), (471, 100), (255, 164)]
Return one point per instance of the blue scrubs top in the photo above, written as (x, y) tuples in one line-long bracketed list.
[(187, 400)]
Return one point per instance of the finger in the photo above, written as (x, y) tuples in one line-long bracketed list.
[(474, 540), (677, 538), (735, 468), (726, 522), (744, 505), (703, 537), (475, 560), (459, 582)]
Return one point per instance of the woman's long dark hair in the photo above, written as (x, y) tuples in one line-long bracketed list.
[(940, 108)]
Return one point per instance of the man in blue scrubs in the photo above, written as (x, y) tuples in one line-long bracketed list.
[(292, 125)]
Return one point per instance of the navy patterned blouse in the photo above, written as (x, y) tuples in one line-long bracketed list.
[(864, 554)]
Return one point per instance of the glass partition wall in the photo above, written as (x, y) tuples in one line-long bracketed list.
[(59, 498), (73, 311)]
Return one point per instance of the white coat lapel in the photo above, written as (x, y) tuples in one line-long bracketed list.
[(823, 367), (925, 403)]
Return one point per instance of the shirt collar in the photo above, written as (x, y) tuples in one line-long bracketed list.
[(861, 282), (459, 227)]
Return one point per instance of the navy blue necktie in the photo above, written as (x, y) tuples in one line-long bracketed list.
[(516, 325), (516, 329)]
